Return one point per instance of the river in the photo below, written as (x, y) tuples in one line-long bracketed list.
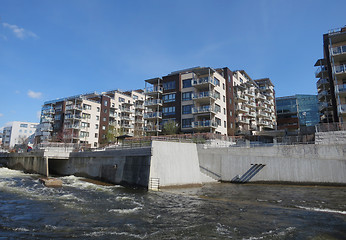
[(85, 210)]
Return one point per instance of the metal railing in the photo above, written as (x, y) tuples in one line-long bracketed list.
[(328, 127)]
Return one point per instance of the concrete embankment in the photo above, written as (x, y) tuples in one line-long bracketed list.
[(324, 164)]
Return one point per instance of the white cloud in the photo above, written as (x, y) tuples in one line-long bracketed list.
[(33, 94), (19, 32), (1, 115)]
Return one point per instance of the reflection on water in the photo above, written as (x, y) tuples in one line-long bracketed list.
[(84, 210)]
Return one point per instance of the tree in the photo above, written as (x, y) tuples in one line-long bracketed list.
[(170, 127)]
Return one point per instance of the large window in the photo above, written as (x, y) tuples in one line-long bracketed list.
[(168, 110), (168, 85), (187, 83), (168, 98), (187, 122), (217, 81), (187, 109), (187, 96)]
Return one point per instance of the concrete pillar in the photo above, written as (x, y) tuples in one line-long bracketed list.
[(47, 168), (275, 141)]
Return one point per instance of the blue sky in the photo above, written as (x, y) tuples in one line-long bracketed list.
[(53, 49)]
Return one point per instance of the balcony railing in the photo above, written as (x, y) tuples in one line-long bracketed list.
[(125, 109), (47, 119), (340, 69), (338, 50), (203, 109), (74, 107), (73, 117), (202, 124), (319, 70), (153, 102), (153, 115), (153, 128), (155, 89), (342, 109), (204, 80), (341, 88), (206, 94), (128, 118), (322, 81)]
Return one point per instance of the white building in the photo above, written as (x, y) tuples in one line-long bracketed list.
[(18, 133)]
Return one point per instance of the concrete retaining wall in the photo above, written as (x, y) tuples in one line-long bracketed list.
[(174, 163), (125, 167), (28, 162), (295, 163)]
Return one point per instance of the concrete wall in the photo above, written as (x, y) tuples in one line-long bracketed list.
[(125, 167), (174, 163), (335, 137), (294, 163), (29, 162)]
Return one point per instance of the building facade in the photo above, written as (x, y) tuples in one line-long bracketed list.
[(331, 74), (204, 99), (296, 112), (18, 133), (92, 119)]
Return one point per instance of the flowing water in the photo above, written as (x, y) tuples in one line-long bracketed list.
[(84, 210)]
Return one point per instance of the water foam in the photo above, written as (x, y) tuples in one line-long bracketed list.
[(126, 211), (322, 210)]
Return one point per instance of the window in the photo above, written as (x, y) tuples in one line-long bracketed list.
[(229, 78), (187, 122), (168, 110), (187, 96), (224, 111), (224, 99), (217, 81), (98, 109), (86, 116), (230, 113), (103, 127), (168, 85), (223, 86), (95, 144), (96, 135), (187, 109), (105, 103), (24, 125), (97, 117), (231, 125), (217, 108), (20, 130), (121, 99), (105, 110), (104, 119), (187, 83), (32, 126), (86, 107), (84, 134), (168, 97), (218, 121), (224, 124), (85, 125), (230, 101), (96, 126), (217, 95), (135, 97)]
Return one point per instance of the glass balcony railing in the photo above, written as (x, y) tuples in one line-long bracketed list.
[(153, 102), (155, 89), (319, 70), (203, 109), (341, 88), (205, 123), (342, 108), (204, 80), (338, 50), (203, 95), (153, 115), (340, 69)]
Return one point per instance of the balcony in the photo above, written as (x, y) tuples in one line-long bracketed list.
[(250, 114), (127, 126), (242, 98), (340, 70), (153, 128), (242, 109), (154, 102), (126, 110), (73, 107), (45, 119), (262, 113), (139, 106), (71, 117), (127, 118), (113, 123), (243, 120), (204, 124), (152, 91), (342, 109), (322, 106), (261, 97), (138, 113), (269, 96), (204, 109), (321, 72), (260, 106), (152, 115), (203, 82), (322, 95), (322, 82), (339, 53), (250, 104), (72, 126), (341, 89), (204, 96), (250, 93), (48, 111)]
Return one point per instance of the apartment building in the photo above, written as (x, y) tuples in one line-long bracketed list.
[(92, 118), (204, 99), (18, 133), (254, 104), (331, 74)]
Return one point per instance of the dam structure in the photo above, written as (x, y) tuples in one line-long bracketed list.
[(166, 163)]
